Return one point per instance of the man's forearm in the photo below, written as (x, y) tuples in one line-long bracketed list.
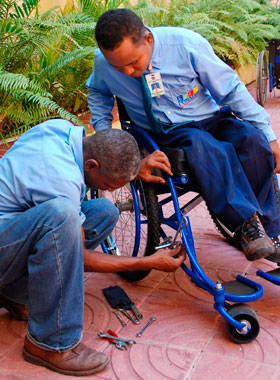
[(100, 262)]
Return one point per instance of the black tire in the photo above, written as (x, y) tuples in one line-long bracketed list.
[(124, 235), (245, 314), (261, 78)]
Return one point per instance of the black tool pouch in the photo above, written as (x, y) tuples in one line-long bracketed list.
[(117, 298)]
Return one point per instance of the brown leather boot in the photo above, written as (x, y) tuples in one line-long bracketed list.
[(275, 258), (254, 241), (79, 361), (16, 310)]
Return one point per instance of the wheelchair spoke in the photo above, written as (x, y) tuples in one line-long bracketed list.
[(124, 232)]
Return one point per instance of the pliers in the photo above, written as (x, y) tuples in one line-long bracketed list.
[(120, 343)]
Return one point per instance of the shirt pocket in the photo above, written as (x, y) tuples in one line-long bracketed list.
[(177, 102), (184, 94)]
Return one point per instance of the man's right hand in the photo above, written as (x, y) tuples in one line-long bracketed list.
[(168, 260), (158, 160)]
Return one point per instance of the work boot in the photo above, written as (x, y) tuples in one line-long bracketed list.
[(275, 258), (80, 361), (16, 310), (254, 241)]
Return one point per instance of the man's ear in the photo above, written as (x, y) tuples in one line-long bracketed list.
[(91, 164), (149, 38)]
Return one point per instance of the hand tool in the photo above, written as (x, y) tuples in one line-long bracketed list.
[(116, 339), (119, 344), (168, 243), (117, 314), (147, 325), (135, 321), (136, 312)]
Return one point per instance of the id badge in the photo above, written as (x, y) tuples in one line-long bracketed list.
[(155, 84)]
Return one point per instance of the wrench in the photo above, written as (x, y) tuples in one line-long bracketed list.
[(168, 243), (135, 321), (116, 339), (117, 314), (147, 325)]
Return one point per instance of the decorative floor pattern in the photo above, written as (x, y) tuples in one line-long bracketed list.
[(189, 340)]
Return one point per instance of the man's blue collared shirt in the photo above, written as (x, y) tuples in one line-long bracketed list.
[(195, 80), (46, 162)]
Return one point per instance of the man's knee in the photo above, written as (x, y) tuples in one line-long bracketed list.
[(101, 209), (61, 210)]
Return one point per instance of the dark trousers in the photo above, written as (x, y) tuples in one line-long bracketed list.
[(233, 164)]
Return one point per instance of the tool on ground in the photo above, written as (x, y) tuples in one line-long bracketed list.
[(147, 325), (117, 314), (135, 321), (168, 242), (120, 343), (118, 299)]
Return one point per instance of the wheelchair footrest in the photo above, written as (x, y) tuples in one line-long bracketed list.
[(271, 276), (238, 288)]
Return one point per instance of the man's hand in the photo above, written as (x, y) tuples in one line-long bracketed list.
[(157, 160), (168, 260), (276, 153)]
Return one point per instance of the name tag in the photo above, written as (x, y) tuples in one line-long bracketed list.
[(155, 84)]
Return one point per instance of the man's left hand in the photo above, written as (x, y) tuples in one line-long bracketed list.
[(276, 153)]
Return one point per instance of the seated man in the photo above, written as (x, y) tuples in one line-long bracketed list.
[(43, 219), (173, 85)]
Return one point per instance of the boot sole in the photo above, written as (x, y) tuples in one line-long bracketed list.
[(38, 361), (260, 254)]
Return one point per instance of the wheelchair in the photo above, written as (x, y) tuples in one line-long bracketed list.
[(144, 218), (270, 72)]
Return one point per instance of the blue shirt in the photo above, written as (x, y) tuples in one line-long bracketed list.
[(46, 162), (195, 80)]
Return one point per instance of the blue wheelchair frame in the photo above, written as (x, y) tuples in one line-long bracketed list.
[(195, 272)]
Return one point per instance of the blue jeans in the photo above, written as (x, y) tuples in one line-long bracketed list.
[(41, 264), (233, 164)]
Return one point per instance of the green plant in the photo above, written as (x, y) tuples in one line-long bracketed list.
[(237, 29), (39, 53)]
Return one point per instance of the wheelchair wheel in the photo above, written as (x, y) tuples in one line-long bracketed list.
[(137, 232), (244, 314), (261, 78)]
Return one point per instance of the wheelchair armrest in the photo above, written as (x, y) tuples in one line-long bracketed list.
[(177, 160)]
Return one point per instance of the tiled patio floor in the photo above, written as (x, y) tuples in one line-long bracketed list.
[(189, 339)]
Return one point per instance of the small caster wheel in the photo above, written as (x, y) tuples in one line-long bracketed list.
[(246, 315)]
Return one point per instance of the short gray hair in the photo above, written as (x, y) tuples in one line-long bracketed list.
[(116, 152)]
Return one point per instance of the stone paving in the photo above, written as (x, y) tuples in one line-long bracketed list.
[(189, 339)]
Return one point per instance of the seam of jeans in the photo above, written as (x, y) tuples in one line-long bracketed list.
[(59, 268)]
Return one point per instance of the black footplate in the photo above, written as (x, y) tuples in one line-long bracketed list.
[(274, 273), (238, 288)]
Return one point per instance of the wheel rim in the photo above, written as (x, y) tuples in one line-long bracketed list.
[(130, 232), (262, 78)]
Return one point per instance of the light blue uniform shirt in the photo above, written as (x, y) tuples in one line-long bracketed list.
[(195, 80), (46, 162)]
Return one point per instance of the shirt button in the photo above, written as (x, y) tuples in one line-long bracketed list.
[(169, 112)]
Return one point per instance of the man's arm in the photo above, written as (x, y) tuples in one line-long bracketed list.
[(228, 89), (163, 259), (276, 153)]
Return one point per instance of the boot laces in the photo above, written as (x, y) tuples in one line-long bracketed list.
[(276, 242), (253, 229)]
